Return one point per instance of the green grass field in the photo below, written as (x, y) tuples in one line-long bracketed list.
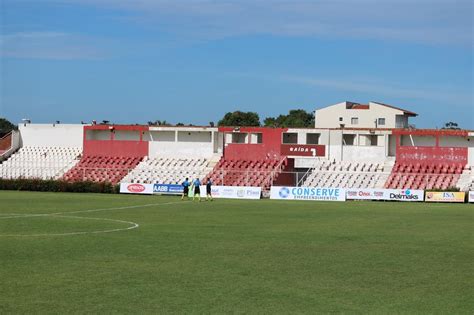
[(231, 256)]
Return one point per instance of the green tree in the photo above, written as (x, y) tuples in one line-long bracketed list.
[(451, 125), (270, 122), (6, 126), (296, 118), (239, 119), (159, 123)]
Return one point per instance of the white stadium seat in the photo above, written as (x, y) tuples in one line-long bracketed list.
[(344, 174), (168, 170), (40, 162)]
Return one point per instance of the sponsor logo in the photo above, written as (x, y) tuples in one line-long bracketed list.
[(160, 188), (310, 193), (135, 188), (253, 193), (241, 193), (365, 194), (404, 195), (284, 192), (445, 196), (167, 189), (227, 192)]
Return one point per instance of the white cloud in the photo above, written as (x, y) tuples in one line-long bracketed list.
[(424, 21), (48, 45), (374, 87)]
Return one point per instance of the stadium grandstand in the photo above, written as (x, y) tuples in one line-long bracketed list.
[(351, 146), (168, 170)]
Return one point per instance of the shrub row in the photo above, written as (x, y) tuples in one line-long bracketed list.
[(57, 186)]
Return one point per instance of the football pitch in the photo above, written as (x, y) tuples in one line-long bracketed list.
[(91, 253)]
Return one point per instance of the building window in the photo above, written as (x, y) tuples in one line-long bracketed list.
[(289, 137), (239, 137), (340, 118), (348, 139), (401, 121), (354, 121), (373, 140), (256, 138), (381, 122), (312, 138)]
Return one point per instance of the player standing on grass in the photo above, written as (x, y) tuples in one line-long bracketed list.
[(208, 190), (197, 189), (185, 185)]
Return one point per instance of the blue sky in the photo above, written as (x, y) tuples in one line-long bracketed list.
[(131, 61)]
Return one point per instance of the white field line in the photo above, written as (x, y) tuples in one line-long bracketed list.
[(132, 225)]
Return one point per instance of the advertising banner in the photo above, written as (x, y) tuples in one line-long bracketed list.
[(404, 195), (365, 194), (444, 196), (167, 189), (303, 149), (134, 188), (384, 194), (471, 196), (234, 192), (308, 193)]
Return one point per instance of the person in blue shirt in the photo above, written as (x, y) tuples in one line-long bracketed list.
[(197, 189), (208, 190), (185, 185)]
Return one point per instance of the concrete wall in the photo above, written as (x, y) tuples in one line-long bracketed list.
[(192, 142), (269, 148), (363, 153), (335, 145), (328, 117), (302, 134), (361, 150), (127, 135), (195, 136), (457, 141), (98, 135), (60, 135), (181, 149), (419, 141)]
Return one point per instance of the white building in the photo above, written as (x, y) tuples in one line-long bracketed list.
[(354, 115)]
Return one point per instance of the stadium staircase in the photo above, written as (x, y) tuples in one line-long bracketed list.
[(168, 170), (9, 144), (98, 168), (424, 175), (256, 173), (40, 162), (345, 174), (466, 180)]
